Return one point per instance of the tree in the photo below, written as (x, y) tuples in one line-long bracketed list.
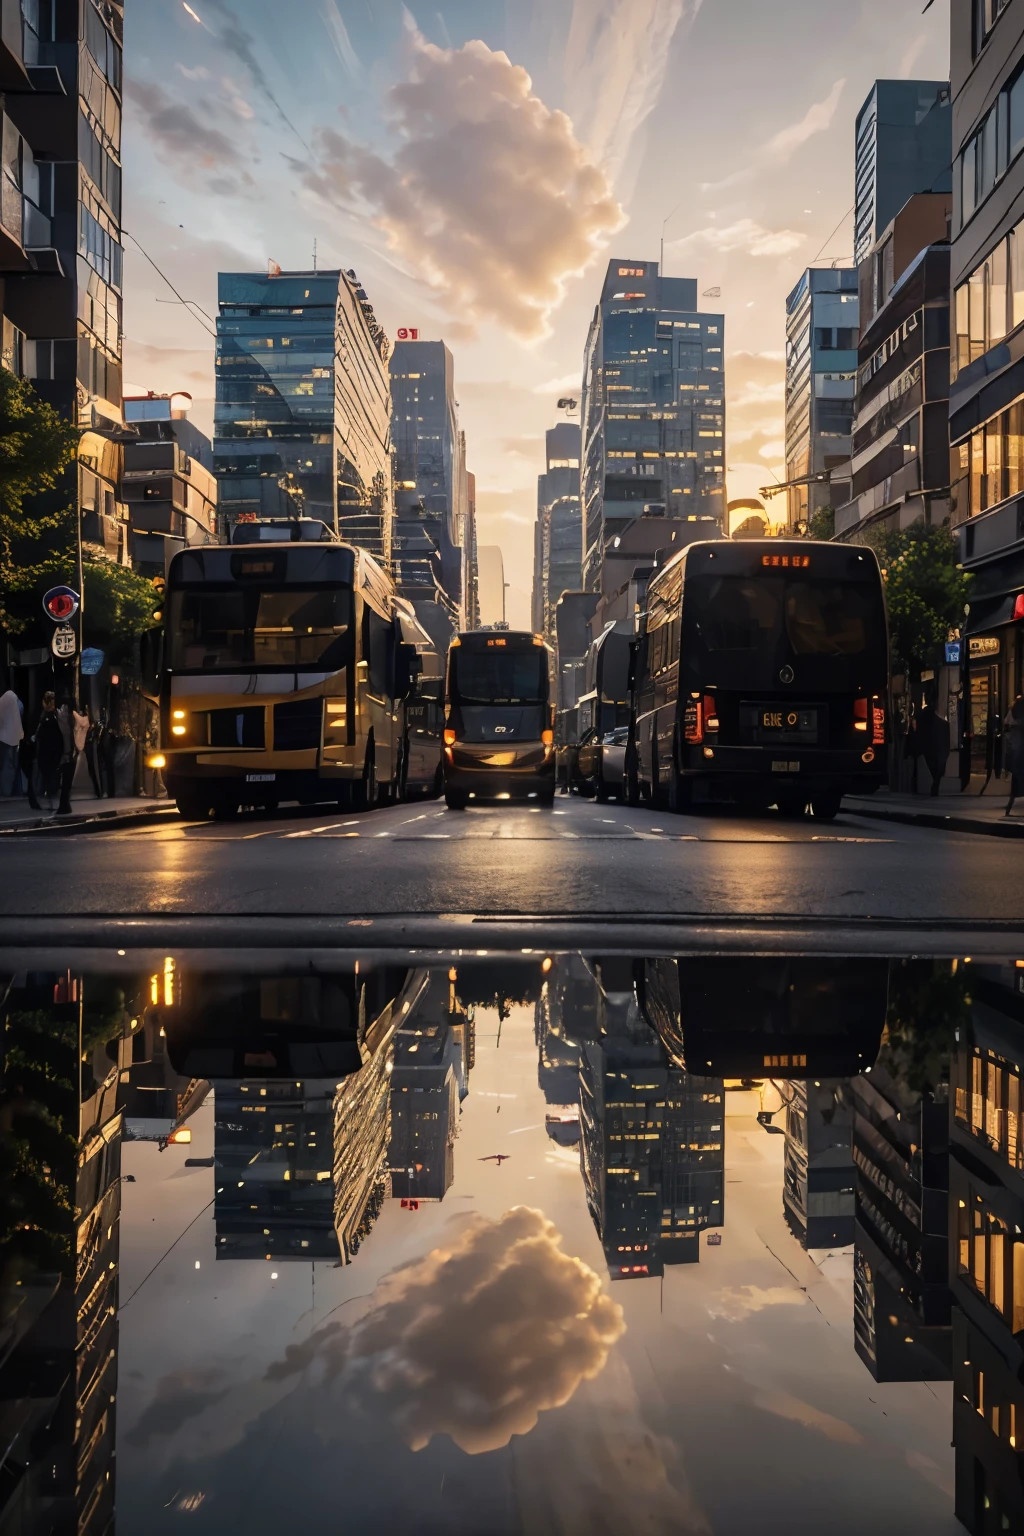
[(822, 524), (37, 447), (925, 591)]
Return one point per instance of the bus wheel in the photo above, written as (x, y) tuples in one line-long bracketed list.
[(455, 799), (226, 805), (603, 794), (632, 784), (193, 805), (438, 789), (826, 806), (402, 778), (679, 796), (793, 804)]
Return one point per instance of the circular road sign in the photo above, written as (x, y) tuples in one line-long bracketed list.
[(64, 640), (60, 604)]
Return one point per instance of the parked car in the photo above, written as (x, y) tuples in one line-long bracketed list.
[(601, 764)]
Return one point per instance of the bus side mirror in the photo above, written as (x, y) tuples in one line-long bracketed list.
[(152, 660), (408, 666)]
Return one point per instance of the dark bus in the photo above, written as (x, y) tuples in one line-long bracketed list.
[(762, 675), (499, 718)]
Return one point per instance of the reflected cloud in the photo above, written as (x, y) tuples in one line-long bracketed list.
[(180, 1397), (744, 1300), (475, 1340), (785, 1406)]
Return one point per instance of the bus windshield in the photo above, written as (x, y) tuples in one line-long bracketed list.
[(499, 677), (802, 617), (213, 628)]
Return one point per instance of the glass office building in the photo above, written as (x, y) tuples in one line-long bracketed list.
[(903, 145), (558, 530), (822, 334), (653, 414), (302, 420)]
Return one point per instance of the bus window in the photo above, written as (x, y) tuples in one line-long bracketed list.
[(500, 677), (215, 628), (733, 614), (828, 619), (380, 652)]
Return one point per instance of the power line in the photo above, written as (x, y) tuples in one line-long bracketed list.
[(838, 227), (190, 304), (163, 1256)]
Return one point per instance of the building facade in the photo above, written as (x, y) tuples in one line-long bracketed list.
[(169, 487), (986, 398), (492, 584), (818, 1179), (430, 484), (902, 146), (558, 530), (822, 332), (61, 256), (653, 417), (302, 423), (899, 471)]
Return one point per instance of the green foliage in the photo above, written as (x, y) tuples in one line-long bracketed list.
[(37, 447), (925, 592), (928, 1002), (822, 523), (119, 606)]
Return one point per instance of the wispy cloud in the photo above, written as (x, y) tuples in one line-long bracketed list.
[(568, 381), (780, 148), (338, 33), (192, 147), (237, 39), (745, 235)]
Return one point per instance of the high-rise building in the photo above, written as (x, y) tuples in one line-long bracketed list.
[(60, 237), (558, 530), (900, 438), (986, 1215), (822, 332), (302, 423), (471, 580), (430, 484), (169, 486), (818, 1179), (492, 584), (653, 422), (903, 146), (986, 396), (426, 1083)]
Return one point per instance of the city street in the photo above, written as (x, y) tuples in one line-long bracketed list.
[(580, 859)]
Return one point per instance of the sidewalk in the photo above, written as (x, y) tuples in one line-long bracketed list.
[(87, 813), (949, 810)]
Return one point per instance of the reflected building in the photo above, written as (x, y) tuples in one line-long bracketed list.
[(653, 423), (427, 1085), (818, 1178), (302, 423), (652, 1144), (986, 1206), (558, 1067), (60, 1269), (431, 489)]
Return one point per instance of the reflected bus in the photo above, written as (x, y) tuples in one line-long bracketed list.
[(499, 718), (762, 676), (283, 674)]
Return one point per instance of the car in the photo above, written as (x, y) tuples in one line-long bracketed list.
[(601, 763)]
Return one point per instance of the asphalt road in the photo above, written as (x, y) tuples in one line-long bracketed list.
[(579, 859)]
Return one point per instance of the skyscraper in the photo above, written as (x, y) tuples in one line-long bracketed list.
[(653, 421), (903, 146), (558, 530), (302, 423), (822, 331), (60, 237), (431, 490), (491, 567)]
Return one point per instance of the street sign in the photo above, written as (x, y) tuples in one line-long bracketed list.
[(952, 653), (92, 661), (60, 604), (64, 640)]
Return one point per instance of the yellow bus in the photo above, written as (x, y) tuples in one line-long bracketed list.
[(499, 718), (284, 674)]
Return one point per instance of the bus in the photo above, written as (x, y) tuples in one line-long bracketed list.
[(424, 710), (282, 676), (499, 718), (761, 675)]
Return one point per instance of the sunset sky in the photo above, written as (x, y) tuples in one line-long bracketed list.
[(477, 164)]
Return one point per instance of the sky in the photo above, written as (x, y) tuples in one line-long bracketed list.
[(479, 164)]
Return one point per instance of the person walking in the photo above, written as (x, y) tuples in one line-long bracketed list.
[(49, 746), (11, 734), (1013, 749)]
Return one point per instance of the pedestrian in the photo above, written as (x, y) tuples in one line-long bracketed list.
[(48, 742), (1013, 749), (11, 734), (933, 743)]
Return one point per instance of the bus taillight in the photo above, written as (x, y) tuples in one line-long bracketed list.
[(449, 738), (877, 723), (860, 714), (710, 713), (693, 719)]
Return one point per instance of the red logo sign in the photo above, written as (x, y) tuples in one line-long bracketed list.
[(407, 333)]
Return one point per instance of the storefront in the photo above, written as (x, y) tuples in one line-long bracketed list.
[(993, 667)]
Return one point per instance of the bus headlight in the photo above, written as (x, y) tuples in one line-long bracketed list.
[(449, 738), (156, 761)]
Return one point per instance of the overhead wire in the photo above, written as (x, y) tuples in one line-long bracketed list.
[(190, 304)]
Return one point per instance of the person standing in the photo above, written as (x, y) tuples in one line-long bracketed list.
[(11, 734), (48, 741), (1013, 749)]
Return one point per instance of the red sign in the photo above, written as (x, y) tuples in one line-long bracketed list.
[(60, 604), (408, 333)]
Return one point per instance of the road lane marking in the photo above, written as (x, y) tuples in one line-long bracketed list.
[(332, 826)]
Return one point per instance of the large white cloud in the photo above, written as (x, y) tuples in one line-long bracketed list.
[(475, 1340), (488, 195)]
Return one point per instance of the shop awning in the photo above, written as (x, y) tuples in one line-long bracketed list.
[(988, 612)]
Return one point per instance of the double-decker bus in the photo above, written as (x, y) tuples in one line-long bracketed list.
[(499, 718), (283, 677), (762, 675)]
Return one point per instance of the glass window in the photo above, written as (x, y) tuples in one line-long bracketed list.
[(1016, 275), (976, 310), (824, 619), (500, 677), (968, 199), (1014, 448), (996, 328), (977, 471), (1015, 97), (993, 461), (962, 354), (213, 628), (987, 156)]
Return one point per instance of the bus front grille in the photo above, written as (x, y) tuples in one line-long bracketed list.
[(297, 725), (238, 727)]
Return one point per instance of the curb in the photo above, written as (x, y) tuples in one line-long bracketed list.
[(95, 821), (1005, 828)]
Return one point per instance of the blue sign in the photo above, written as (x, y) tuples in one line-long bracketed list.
[(952, 653), (92, 661)]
